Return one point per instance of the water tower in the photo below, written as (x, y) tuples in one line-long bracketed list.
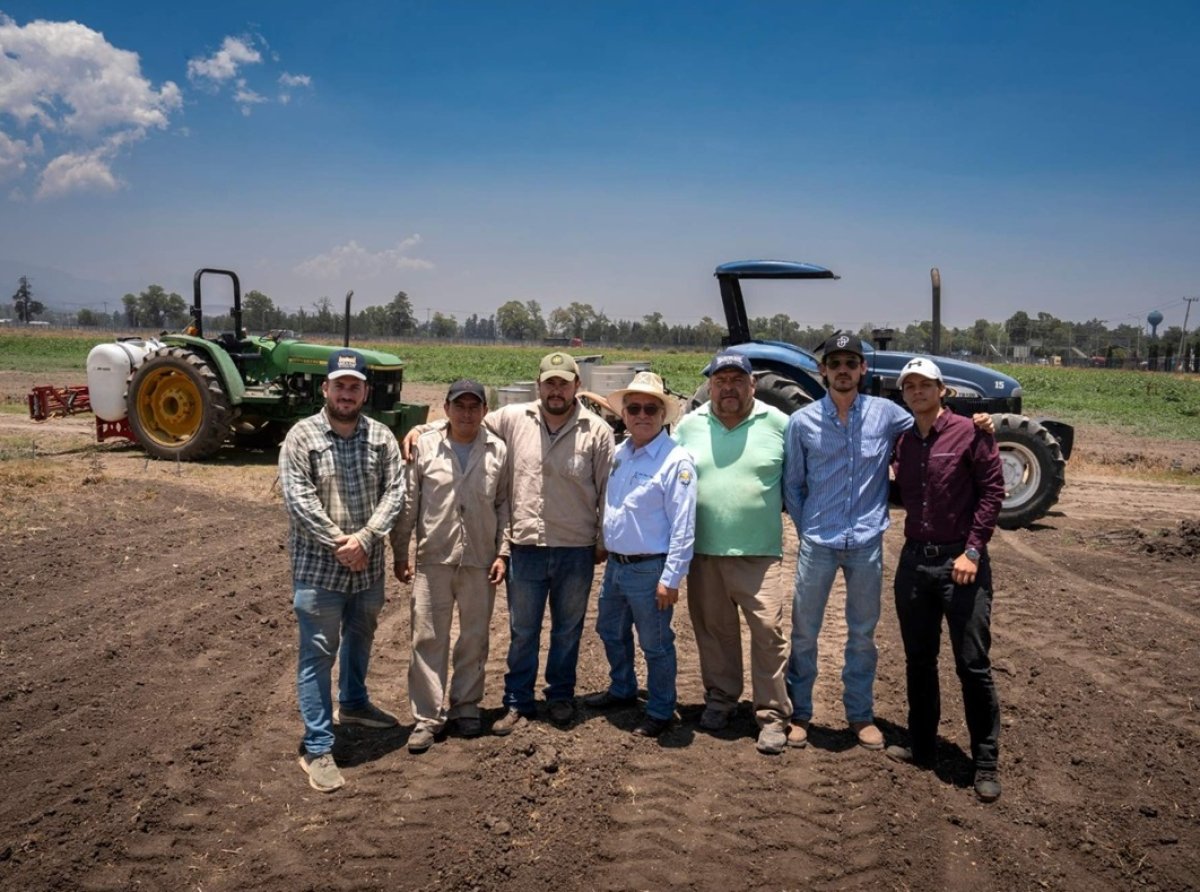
[(1154, 319)]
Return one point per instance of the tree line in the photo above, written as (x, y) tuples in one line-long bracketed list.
[(1020, 336)]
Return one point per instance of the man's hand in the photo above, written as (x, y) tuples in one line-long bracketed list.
[(497, 570), (408, 446), (403, 570), (963, 571), (600, 555), (350, 553), (665, 596), (984, 422)]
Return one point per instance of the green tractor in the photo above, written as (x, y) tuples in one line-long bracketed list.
[(185, 394)]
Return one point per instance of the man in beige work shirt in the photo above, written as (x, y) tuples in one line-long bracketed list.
[(560, 454), (458, 506)]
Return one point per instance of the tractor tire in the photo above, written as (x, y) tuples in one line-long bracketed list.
[(177, 407), (1034, 470), (769, 387)]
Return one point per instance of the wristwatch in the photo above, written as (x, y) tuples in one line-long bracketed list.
[(972, 554)]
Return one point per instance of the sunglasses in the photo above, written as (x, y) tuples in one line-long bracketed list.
[(636, 409), (851, 363)]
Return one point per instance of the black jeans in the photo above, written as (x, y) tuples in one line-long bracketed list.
[(924, 594)]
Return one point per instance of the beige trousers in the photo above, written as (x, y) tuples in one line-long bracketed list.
[(436, 589), (717, 588)]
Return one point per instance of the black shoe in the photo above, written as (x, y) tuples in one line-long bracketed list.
[(904, 754), (649, 726), (561, 712), (607, 700), (987, 784)]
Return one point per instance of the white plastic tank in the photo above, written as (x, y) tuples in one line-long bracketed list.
[(520, 392), (108, 368)]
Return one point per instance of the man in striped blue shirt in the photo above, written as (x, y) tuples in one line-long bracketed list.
[(343, 489), (835, 490)]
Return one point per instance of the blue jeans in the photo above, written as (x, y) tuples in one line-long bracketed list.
[(538, 574), (627, 601), (324, 617), (815, 571)]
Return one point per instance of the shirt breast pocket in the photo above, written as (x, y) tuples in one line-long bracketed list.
[(322, 465), (875, 446)]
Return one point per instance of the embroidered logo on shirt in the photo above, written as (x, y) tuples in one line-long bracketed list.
[(685, 477)]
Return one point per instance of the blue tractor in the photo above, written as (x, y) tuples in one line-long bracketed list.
[(1033, 452)]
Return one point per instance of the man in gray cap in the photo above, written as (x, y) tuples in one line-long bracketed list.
[(560, 454), (458, 507), (343, 488)]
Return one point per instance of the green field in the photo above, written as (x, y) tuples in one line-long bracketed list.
[(1149, 404)]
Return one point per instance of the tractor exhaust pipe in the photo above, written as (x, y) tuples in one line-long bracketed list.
[(937, 312), (346, 337)]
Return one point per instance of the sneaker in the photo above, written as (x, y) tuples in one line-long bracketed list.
[(771, 741), (561, 712), (869, 737), (649, 726), (369, 716), (420, 740), (987, 784), (322, 771), (713, 719), (905, 755), (607, 700), (797, 734), (468, 726), (507, 723)]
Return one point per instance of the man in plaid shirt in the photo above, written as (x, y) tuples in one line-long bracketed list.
[(343, 488)]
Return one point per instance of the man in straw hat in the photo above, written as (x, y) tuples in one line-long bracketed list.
[(649, 527)]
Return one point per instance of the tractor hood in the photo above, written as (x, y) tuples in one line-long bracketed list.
[(297, 356)]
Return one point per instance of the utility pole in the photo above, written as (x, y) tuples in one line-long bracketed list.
[(1183, 334)]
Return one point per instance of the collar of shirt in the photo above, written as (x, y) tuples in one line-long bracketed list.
[(653, 449), (756, 411), (829, 407), (328, 430)]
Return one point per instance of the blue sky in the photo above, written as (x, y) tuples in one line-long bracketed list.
[(1042, 155)]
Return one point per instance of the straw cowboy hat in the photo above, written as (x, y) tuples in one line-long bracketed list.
[(648, 384)]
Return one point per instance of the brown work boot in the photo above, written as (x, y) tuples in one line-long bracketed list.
[(797, 734), (869, 737)]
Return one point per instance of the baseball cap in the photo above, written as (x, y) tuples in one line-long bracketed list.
[(465, 387), (926, 368), (843, 343), (558, 365), (728, 360), (347, 362)]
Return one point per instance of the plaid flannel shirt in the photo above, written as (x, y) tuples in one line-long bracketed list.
[(334, 485)]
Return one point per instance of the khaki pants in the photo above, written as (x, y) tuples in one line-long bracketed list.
[(436, 589), (717, 588)]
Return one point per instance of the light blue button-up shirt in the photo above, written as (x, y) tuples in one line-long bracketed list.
[(650, 504), (835, 480)]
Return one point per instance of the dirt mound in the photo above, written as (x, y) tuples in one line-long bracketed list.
[(1166, 543)]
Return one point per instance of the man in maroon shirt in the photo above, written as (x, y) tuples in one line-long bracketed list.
[(951, 486)]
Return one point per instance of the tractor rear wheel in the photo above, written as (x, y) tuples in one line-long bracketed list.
[(177, 407), (769, 387), (1034, 470)]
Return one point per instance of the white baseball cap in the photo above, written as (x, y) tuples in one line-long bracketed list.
[(926, 368)]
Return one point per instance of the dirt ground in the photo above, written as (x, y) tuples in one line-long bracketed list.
[(150, 729)]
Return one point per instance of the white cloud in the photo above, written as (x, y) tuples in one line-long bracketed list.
[(247, 98), (223, 65), (66, 84), (352, 258), (72, 172), (294, 80)]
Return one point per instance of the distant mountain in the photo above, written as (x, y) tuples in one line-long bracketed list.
[(60, 290)]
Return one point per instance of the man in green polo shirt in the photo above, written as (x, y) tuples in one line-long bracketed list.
[(737, 445)]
